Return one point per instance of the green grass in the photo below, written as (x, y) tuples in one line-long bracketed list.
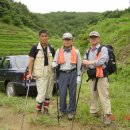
[(119, 95), (114, 31), (17, 103), (16, 40), (48, 121)]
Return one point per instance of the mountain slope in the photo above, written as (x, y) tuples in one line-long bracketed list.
[(114, 31), (15, 40)]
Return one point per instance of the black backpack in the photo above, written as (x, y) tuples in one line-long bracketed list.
[(111, 64)]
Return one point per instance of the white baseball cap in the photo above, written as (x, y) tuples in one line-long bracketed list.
[(67, 36), (94, 33)]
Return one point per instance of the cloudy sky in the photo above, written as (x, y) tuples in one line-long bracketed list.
[(46, 6)]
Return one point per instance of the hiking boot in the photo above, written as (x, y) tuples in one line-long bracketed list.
[(38, 108), (61, 114), (46, 106), (107, 119), (38, 112), (70, 116), (45, 111)]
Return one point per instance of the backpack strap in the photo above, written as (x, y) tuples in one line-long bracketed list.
[(52, 50), (96, 80), (50, 47), (95, 85), (35, 50), (87, 53), (99, 50)]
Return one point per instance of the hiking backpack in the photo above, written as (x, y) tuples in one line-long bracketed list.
[(111, 64)]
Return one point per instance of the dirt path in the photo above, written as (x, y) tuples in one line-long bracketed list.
[(12, 121), (9, 120)]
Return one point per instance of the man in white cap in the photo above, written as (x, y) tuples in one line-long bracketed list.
[(69, 60), (98, 77)]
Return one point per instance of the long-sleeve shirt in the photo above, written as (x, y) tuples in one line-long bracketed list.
[(67, 65), (103, 58)]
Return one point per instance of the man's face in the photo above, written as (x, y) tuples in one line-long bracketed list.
[(43, 38), (94, 40), (67, 42)]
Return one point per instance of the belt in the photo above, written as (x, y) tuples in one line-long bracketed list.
[(67, 71)]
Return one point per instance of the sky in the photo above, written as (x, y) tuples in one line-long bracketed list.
[(47, 6)]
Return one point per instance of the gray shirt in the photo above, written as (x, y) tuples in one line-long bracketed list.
[(67, 65), (103, 58)]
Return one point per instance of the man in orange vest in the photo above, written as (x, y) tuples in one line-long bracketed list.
[(98, 80), (69, 60)]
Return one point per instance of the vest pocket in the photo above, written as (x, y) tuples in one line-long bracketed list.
[(37, 72), (38, 65)]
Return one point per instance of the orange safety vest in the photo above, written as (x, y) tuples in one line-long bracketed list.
[(99, 69), (61, 59)]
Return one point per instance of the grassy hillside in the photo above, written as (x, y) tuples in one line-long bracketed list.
[(114, 31), (18, 40), (15, 40)]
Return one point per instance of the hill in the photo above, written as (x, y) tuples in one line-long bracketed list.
[(67, 22), (19, 29), (16, 40), (114, 31), (18, 14)]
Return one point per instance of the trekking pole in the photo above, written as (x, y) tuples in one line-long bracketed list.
[(25, 104), (57, 96), (77, 98)]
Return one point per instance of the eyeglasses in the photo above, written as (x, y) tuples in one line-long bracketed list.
[(67, 39), (91, 37)]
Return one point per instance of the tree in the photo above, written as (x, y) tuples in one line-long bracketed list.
[(6, 19)]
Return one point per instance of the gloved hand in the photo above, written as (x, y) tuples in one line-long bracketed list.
[(78, 80), (54, 65)]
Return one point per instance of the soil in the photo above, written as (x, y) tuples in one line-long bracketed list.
[(9, 120)]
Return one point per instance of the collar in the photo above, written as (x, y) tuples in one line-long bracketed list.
[(67, 49), (97, 46), (39, 46)]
